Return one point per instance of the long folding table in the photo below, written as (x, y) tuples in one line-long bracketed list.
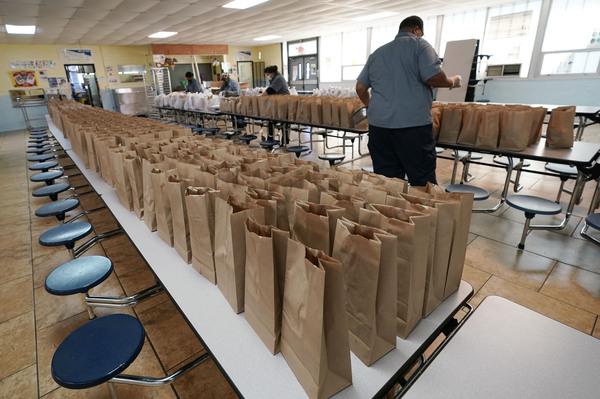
[(249, 366)]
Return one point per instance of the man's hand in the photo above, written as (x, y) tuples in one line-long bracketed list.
[(456, 81)]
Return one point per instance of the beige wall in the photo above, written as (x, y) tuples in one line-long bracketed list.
[(103, 56)]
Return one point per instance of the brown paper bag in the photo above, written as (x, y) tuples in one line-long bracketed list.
[(149, 205), (559, 133), (266, 248), (314, 225), (539, 114), (350, 203), (436, 114), (368, 258), (489, 128), (164, 220), (181, 230), (121, 181), (412, 232), (282, 221), (470, 126), (230, 247), (314, 327), (200, 203), (133, 173), (451, 123), (460, 232), (515, 126)]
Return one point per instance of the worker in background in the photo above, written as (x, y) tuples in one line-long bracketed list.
[(401, 75), (230, 87), (192, 85), (277, 83)]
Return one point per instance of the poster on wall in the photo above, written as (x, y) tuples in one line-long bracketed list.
[(43, 74), (52, 82), (23, 78), (76, 55), (112, 77), (243, 55)]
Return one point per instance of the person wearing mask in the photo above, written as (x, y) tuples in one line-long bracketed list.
[(277, 83), (401, 75), (192, 85), (230, 87)]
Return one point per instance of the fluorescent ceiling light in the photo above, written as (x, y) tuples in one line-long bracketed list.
[(20, 29), (161, 35), (265, 38), (243, 4), (379, 15)]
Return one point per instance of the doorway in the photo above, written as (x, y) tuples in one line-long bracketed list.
[(303, 72), (84, 84), (246, 72)]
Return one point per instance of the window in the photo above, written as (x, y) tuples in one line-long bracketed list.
[(510, 34), (330, 58), (576, 50), (462, 26), (383, 34), (354, 53)]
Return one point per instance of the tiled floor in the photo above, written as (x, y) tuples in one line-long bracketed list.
[(558, 274)]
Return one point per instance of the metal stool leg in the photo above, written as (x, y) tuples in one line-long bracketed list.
[(528, 217)]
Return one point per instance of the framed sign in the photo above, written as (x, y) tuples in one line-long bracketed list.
[(76, 55), (23, 78)]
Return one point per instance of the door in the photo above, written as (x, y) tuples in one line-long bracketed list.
[(245, 72), (303, 72), (84, 84)]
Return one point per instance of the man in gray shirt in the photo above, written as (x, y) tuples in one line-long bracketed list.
[(192, 85), (401, 75), (230, 86)]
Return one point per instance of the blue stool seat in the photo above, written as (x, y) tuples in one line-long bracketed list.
[(532, 206), (332, 157), (229, 134), (79, 275), (561, 169), (247, 138), (44, 166), (57, 209), (297, 149), (51, 191), (38, 150), (463, 154), (593, 220), (97, 351), (200, 130), (38, 145), (269, 144), (504, 161), (46, 177), (368, 168), (40, 157), (65, 234), (479, 194), (439, 150)]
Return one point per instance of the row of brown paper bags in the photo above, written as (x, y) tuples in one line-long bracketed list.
[(375, 277), (330, 111), (427, 256), (506, 127)]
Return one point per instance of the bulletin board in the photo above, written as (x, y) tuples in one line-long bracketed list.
[(458, 60), (23, 78)]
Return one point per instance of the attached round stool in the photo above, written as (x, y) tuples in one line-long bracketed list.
[(205, 130), (65, 234), (46, 177), (565, 171), (269, 144), (78, 275), (479, 194), (38, 150), (532, 206), (51, 191), (38, 145), (297, 149), (504, 161), (44, 166), (58, 209), (439, 150), (41, 158), (463, 154), (332, 158), (229, 134), (368, 168), (592, 220), (97, 351), (247, 138)]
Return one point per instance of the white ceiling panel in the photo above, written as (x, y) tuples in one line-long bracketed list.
[(203, 21)]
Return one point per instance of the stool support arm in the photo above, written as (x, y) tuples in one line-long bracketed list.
[(114, 301), (150, 381)]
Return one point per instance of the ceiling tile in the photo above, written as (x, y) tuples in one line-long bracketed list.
[(18, 9), (102, 5), (90, 14), (56, 12), (135, 6)]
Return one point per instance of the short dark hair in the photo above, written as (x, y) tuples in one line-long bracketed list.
[(412, 22), (271, 69), (189, 75)]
